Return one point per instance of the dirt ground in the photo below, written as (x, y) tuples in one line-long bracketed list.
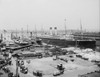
[(48, 66)]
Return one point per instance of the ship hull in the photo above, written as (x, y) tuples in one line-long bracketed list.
[(67, 43)]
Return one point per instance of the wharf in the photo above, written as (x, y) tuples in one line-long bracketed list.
[(47, 65)]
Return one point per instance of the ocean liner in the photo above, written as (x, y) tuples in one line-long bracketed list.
[(66, 42), (68, 39)]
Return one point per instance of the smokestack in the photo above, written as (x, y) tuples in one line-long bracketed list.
[(55, 30), (50, 30)]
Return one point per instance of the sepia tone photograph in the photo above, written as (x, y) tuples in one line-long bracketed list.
[(49, 38)]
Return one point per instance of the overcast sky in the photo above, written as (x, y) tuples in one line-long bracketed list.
[(17, 14)]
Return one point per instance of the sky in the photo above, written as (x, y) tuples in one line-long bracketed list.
[(42, 14)]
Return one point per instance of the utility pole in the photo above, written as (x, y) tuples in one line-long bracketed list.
[(17, 58), (16, 67)]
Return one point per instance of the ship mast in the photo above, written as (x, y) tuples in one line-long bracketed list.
[(22, 33), (27, 30), (65, 26), (42, 30), (16, 33), (1, 36), (35, 31), (81, 29)]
